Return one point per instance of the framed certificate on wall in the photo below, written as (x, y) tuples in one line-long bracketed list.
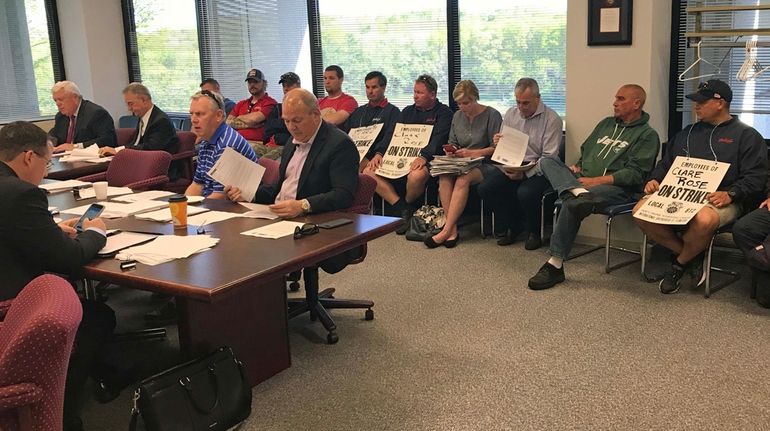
[(610, 22)]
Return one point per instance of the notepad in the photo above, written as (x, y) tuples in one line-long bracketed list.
[(274, 230), (122, 240)]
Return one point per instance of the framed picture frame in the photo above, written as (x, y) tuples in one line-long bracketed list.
[(610, 22)]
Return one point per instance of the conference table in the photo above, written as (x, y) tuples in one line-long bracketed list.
[(234, 294), (72, 170)]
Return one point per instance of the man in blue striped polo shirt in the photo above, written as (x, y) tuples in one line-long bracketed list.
[(208, 123)]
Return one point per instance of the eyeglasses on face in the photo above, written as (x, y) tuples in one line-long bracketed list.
[(48, 162), (305, 230), (213, 97)]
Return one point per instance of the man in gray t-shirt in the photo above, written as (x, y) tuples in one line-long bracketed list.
[(514, 195)]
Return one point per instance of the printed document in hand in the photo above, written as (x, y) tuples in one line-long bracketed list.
[(145, 196), (59, 186), (234, 169), (111, 191), (511, 148), (258, 211), (274, 230), (166, 248)]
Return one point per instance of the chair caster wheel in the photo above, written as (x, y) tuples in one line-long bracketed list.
[(369, 314), (332, 338), (294, 286)]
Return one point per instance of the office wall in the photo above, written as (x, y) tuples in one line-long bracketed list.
[(95, 51), (594, 73)]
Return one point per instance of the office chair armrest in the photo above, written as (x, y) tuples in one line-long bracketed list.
[(182, 155), (19, 395), (101, 176), (149, 183)]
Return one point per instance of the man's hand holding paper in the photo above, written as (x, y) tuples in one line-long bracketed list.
[(233, 169)]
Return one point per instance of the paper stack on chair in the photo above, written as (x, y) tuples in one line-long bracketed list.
[(453, 165), (167, 248)]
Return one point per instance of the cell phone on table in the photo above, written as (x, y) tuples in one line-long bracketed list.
[(450, 148), (91, 213), (331, 224)]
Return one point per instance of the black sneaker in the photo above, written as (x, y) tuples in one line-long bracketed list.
[(547, 277), (584, 204), (533, 242), (695, 268), (672, 280)]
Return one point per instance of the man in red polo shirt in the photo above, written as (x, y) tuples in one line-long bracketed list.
[(248, 116), (337, 106)]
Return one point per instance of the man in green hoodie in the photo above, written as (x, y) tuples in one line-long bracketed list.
[(614, 161)]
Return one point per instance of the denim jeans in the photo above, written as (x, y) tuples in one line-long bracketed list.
[(568, 223)]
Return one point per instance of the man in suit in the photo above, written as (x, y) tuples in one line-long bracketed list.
[(31, 243), (79, 121), (319, 169), (154, 131)]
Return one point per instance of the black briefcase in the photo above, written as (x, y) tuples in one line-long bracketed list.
[(210, 393)]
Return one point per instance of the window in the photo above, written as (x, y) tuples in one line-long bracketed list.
[(403, 40), (28, 56), (167, 51), (722, 57), (501, 42), (270, 35)]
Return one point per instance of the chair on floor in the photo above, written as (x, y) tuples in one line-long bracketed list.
[(136, 169), (36, 339), (128, 122), (318, 303), (610, 212), (124, 135), (708, 266), (272, 173), (182, 160)]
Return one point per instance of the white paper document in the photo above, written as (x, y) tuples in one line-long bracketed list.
[(210, 217), (511, 147), (145, 196), (258, 211), (609, 20), (683, 191), (234, 169), (89, 154), (122, 240), (166, 248), (163, 215), (274, 230), (111, 191), (59, 186), (364, 137), (119, 209)]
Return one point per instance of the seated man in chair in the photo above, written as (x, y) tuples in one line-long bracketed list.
[(716, 136), (614, 161)]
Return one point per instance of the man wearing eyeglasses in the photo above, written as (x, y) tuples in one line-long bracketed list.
[(249, 115), (32, 243), (716, 136), (427, 109), (208, 123), (79, 122)]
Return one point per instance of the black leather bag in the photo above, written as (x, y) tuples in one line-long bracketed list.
[(428, 220), (210, 393)]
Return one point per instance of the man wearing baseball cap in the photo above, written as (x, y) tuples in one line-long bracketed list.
[(249, 115), (719, 136), (276, 133)]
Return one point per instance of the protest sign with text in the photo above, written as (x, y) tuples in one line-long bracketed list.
[(405, 146), (683, 191), (363, 137)]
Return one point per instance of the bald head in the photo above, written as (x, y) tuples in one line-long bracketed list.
[(638, 93), (629, 101), (301, 114)]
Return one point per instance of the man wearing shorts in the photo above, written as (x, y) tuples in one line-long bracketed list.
[(716, 136)]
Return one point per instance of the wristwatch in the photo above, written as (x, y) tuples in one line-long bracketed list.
[(305, 204), (732, 195)]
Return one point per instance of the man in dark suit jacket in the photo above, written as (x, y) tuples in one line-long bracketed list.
[(154, 130), (80, 121)]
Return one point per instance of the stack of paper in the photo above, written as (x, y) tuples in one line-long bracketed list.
[(88, 154), (119, 210), (167, 248), (163, 215), (145, 196), (453, 165), (274, 230), (60, 186), (258, 211), (111, 191), (210, 217)]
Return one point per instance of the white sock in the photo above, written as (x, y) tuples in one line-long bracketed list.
[(577, 191), (555, 261)]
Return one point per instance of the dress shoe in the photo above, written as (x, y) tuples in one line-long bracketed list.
[(583, 204), (547, 277), (406, 217), (430, 243), (533, 242), (509, 238), (452, 243), (165, 315)]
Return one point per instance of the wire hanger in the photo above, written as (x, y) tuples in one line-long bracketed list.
[(699, 59), (751, 68)]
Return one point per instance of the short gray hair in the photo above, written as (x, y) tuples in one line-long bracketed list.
[(215, 99), (68, 87), (138, 89), (527, 83)]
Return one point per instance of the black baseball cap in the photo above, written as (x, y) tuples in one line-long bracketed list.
[(712, 89), (289, 78), (255, 74)]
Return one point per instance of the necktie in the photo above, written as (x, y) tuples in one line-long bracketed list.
[(139, 132), (71, 130)]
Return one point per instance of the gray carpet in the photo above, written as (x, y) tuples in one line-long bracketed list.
[(459, 342)]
